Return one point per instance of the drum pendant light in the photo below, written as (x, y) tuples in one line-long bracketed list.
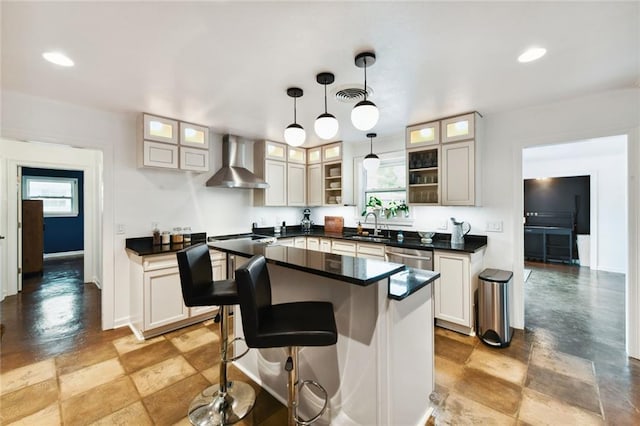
[(326, 125), (365, 114), (294, 134), (371, 162)]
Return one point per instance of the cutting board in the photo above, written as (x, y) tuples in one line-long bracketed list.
[(333, 224)]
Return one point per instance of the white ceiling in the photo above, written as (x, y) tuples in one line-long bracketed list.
[(228, 64)]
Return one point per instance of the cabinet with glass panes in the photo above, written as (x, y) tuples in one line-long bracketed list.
[(423, 175)]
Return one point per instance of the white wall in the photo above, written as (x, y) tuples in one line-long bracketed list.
[(605, 160), (136, 197)]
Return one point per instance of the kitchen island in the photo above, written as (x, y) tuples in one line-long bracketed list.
[(381, 370)]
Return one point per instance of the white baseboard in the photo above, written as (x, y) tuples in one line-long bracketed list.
[(64, 254)]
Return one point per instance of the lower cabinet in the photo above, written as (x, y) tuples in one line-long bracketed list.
[(454, 290), (343, 247), (370, 251), (156, 304), (313, 243)]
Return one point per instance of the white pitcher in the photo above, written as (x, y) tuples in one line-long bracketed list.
[(458, 232)]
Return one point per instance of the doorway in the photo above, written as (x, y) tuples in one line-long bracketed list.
[(604, 162)]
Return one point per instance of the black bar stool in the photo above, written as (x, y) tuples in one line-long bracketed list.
[(226, 402), (288, 325)]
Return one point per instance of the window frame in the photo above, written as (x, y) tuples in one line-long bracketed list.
[(398, 157), (75, 201)]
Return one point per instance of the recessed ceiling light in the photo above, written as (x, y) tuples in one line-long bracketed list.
[(58, 59), (532, 54)]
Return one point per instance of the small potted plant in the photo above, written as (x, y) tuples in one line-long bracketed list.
[(403, 207), (374, 203), (391, 210)]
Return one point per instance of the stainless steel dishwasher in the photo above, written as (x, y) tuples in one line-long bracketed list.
[(415, 258)]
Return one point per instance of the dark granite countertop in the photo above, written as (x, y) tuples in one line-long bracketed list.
[(472, 243), (407, 282), (143, 246), (354, 270)]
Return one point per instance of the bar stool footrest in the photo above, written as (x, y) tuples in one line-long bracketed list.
[(315, 418), (235, 358)]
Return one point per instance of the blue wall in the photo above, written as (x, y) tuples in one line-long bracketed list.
[(62, 233)]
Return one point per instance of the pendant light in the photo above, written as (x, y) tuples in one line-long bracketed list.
[(371, 161), (294, 134), (326, 125), (365, 114)]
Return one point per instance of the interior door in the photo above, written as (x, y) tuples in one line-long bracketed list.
[(32, 237), (19, 233)]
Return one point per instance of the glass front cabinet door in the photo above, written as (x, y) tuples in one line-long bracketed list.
[(423, 134), (160, 129), (458, 128)]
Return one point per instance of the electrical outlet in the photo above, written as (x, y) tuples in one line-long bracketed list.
[(120, 229), (494, 226), (443, 225)]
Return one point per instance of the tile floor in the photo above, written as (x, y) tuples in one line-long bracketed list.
[(64, 370)]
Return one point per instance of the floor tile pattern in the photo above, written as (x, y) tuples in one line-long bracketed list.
[(567, 367)]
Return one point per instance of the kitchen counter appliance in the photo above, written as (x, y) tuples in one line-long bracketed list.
[(414, 258)]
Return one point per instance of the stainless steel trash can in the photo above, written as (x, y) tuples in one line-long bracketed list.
[(493, 307)]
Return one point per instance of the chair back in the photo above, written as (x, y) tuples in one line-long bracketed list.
[(194, 263), (254, 291)]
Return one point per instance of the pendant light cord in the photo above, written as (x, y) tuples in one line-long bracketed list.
[(365, 78), (294, 111), (371, 145), (325, 98)]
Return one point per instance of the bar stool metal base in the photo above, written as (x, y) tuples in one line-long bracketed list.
[(210, 407)]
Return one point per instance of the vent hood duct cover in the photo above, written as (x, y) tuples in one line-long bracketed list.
[(233, 173)]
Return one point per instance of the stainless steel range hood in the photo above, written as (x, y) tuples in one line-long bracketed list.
[(233, 173)]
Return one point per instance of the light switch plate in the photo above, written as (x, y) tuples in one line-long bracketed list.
[(494, 226), (120, 229)]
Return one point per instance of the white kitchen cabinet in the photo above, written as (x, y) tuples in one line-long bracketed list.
[(287, 242), (332, 152), (314, 155), (274, 150), (446, 173), (313, 243), (370, 251), (156, 304), (194, 159), (459, 174), (159, 129), (343, 247), (160, 155), (300, 242), (325, 245), (314, 185), (419, 135), (194, 135), (458, 128), (296, 184), (454, 290), (296, 155)]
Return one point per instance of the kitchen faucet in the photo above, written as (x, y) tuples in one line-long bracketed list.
[(376, 232)]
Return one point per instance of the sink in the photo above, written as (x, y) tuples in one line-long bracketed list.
[(369, 238)]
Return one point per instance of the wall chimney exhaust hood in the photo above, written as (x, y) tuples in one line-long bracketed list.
[(233, 173)]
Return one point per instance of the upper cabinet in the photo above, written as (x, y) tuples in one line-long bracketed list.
[(297, 155), (420, 135), (314, 155), (443, 166), (332, 152), (160, 129), (171, 144), (458, 128), (194, 135), (273, 150)]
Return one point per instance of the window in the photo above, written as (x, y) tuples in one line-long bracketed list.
[(388, 183), (59, 195)]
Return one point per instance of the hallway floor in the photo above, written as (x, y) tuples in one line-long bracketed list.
[(567, 367)]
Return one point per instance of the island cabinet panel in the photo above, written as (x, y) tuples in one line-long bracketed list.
[(163, 298), (156, 304), (454, 291)]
